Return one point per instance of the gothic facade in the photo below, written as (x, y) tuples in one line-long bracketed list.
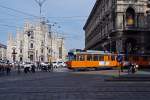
[(36, 43), (119, 26), (3, 50)]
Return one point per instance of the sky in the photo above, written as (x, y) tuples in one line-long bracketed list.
[(69, 15)]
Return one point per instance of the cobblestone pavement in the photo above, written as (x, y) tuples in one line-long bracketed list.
[(70, 86)]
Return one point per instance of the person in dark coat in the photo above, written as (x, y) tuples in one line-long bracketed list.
[(33, 68), (133, 68), (8, 68), (19, 68)]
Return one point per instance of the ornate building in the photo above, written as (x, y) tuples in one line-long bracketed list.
[(3, 50), (119, 26), (36, 43)]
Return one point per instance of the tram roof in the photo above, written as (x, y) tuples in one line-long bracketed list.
[(94, 52), (108, 53)]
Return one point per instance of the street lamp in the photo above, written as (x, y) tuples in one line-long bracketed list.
[(40, 3)]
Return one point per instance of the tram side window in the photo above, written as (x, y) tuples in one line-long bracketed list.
[(101, 58), (126, 58), (112, 57), (96, 58), (135, 58), (145, 58), (89, 58), (81, 58), (148, 58)]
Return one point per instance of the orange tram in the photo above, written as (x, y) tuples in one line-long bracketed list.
[(100, 59)]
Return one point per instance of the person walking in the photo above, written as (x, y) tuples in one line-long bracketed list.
[(33, 68), (129, 67), (8, 68), (19, 68)]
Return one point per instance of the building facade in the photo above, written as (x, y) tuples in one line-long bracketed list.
[(36, 43), (3, 50), (119, 26)]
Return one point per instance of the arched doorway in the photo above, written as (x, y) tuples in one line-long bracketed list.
[(130, 17), (131, 46)]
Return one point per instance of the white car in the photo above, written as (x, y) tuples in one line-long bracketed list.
[(55, 64), (59, 64), (27, 64), (62, 64), (44, 64)]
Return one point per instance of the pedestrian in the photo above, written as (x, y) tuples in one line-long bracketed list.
[(50, 67), (33, 68), (136, 67), (0, 68), (129, 67), (38, 65), (121, 64), (133, 68), (25, 70), (19, 68), (8, 68)]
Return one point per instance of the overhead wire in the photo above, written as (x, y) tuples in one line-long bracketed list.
[(18, 11), (27, 14), (68, 17), (12, 26)]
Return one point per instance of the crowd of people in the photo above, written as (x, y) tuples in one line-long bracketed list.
[(131, 67), (6, 68)]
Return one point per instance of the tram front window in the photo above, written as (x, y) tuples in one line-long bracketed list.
[(71, 56)]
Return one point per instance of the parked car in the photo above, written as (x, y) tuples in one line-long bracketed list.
[(62, 64), (59, 64), (44, 66), (44, 63), (27, 64), (28, 67), (55, 64)]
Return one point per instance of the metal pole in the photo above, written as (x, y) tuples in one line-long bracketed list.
[(109, 38), (40, 3), (51, 46)]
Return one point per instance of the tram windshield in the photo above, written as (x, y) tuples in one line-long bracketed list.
[(71, 56)]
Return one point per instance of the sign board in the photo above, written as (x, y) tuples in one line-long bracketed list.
[(119, 58)]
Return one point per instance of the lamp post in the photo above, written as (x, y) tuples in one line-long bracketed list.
[(40, 3), (51, 40)]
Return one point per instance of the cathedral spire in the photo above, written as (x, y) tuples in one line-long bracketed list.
[(10, 36)]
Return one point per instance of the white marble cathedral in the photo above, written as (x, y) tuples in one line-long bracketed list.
[(36, 43)]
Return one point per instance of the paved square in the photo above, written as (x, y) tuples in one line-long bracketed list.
[(70, 86)]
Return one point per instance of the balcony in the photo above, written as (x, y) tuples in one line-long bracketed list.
[(126, 28)]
